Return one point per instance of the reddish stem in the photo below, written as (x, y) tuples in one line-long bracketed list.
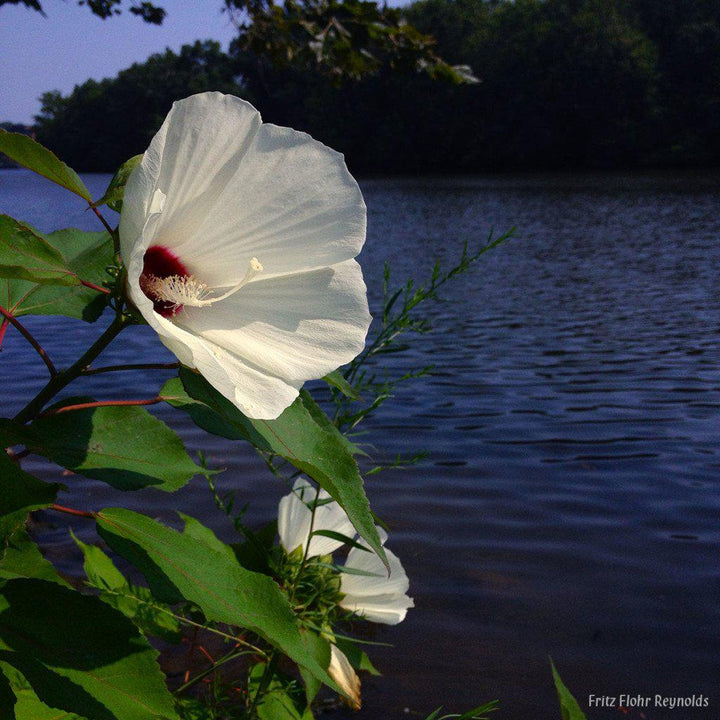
[(206, 654), (72, 511), (95, 287), (26, 334), (102, 219), (134, 366), (100, 403)]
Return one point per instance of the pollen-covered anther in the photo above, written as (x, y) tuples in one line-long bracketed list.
[(178, 290), (187, 291)]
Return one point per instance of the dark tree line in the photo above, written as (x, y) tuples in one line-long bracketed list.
[(564, 84)]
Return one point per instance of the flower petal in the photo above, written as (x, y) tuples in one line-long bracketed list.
[(295, 517), (191, 159), (291, 203), (381, 598), (297, 327)]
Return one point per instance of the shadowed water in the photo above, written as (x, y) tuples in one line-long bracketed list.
[(569, 505)]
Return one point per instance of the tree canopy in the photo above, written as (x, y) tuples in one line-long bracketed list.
[(564, 83)]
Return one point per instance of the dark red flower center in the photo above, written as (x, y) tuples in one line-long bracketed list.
[(160, 263)]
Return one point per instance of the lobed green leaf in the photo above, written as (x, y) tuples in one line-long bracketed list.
[(25, 254), (136, 603), (21, 558), (85, 256)]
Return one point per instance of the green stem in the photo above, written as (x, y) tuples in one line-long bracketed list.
[(65, 377), (306, 550), (264, 681), (202, 675)]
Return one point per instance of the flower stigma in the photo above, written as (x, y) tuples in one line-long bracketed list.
[(166, 282)]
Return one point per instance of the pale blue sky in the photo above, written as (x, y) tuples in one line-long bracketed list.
[(71, 45)]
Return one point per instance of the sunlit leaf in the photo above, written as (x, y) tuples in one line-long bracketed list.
[(95, 442), (280, 698), (29, 706), (337, 380), (31, 154), (25, 254), (189, 566), (314, 447), (137, 603), (568, 705), (116, 189), (86, 255), (21, 558)]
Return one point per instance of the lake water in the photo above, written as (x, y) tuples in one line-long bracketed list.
[(569, 503)]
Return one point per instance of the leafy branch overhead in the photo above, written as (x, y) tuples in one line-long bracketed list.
[(343, 39)]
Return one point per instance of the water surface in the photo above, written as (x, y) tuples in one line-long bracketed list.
[(569, 504)]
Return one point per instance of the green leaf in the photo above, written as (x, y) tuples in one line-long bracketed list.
[(21, 558), (31, 154), (7, 698), (337, 380), (79, 655), (351, 542), (136, 603), (568, 705), (281, 699), (312, 445), (358, 658), (181, 566), (478, 713), (124, 446), (203, 416), (29, 706), (321, 418), (320, 648), (27, 255), (20, 490), (113, 196), (86, 255)]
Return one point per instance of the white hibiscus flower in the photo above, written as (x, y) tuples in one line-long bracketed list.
[(239, 239), (295, 519), (371, 593), (377, 597)]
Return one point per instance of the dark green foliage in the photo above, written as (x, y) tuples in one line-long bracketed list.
[(102, 124), (87, 658), (341, 39), (104, 8), (564, 83)]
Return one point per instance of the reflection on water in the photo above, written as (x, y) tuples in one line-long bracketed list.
[(569, 503)]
